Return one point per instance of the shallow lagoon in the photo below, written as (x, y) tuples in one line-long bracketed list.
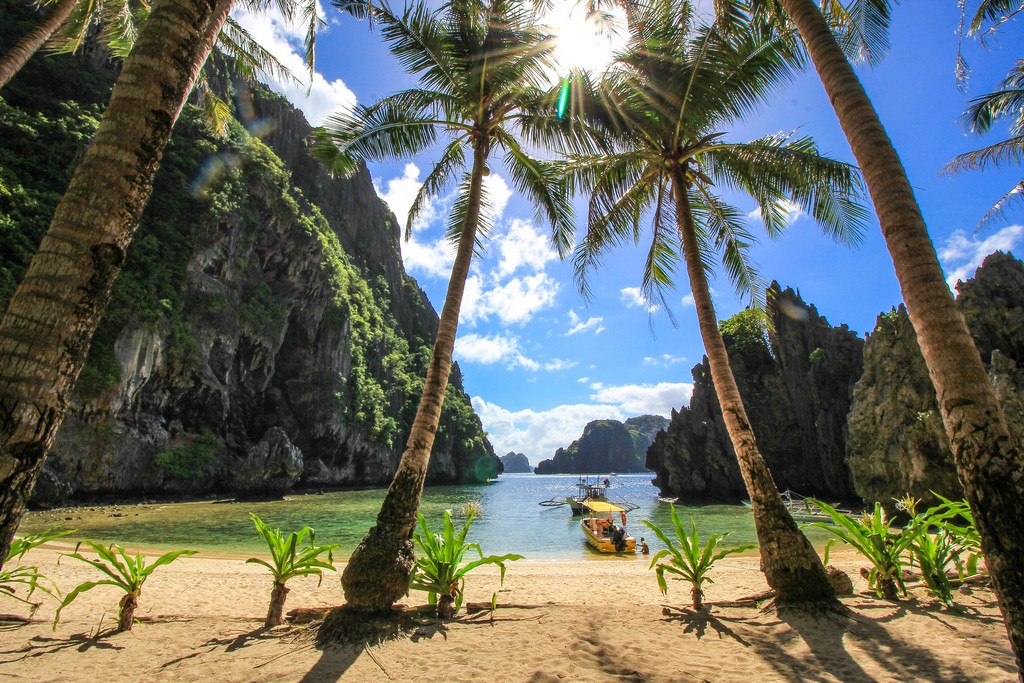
[(512, 519)]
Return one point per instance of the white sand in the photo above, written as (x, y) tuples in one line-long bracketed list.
[(599, 620)]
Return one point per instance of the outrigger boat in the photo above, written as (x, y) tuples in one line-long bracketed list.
[(801, 508), (602, 529), (585, 491)]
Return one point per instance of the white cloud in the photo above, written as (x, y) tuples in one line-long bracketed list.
[(538, 434), (791, 209), (475, 348), (283, 39), (514, 302), (576, 325), (634, 298), (434, 258), (644, 399), (498, 193), (962, 254), (583, 380), (522, 246), (664, 360), (497, 348), (399, 195)]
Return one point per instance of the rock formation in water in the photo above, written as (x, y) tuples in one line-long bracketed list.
[(515, 463), (606, 446), (898, 444), (263, 334), (796, 377)]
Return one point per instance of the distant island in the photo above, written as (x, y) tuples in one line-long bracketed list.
[(607, 446), (515, 463)]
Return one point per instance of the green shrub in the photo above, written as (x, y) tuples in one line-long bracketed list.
[(192, 460), (293, 555), (27, 575), (691, 560), (127, 573), (440, 570)]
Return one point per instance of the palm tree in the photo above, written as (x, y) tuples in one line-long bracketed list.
[(987, 460), (49, 323), (67, 25), (676, 88), (483, 66)]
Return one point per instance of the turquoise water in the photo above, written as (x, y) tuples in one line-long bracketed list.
[(511, 521)]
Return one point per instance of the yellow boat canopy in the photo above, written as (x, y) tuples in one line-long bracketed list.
[(602, 506)]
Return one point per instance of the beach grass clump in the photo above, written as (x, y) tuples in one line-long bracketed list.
[(24, 575), (688, 558), (127, 573), (941, 542), (296, 554), (440, 570)]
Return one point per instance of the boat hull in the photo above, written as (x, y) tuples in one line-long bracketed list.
[(604, 543)]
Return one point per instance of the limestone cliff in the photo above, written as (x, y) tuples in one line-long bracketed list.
[(898, 444), (796, 377), (263, 334), (516, 463), (606, 446)]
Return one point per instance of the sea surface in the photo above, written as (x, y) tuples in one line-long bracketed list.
[(511, 519)]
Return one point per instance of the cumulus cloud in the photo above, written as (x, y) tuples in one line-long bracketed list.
[(522, 246), (962, 254), (431, 258), (634, 298), (538, 434), (644, 399), (498, 193), (283, 39), (664, 360), (688, 299), (791, 209), (399, 194), (577, 325), (504, 349), (514, 302)]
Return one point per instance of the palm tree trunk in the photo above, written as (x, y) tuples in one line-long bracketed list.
[(275, 613), (49, 323), (126, 615), (19, 55), (789, 562), (378, 572), (987, 461)]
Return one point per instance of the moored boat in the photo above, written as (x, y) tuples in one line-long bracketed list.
[(604, 525), (802, 509), (586, 491)]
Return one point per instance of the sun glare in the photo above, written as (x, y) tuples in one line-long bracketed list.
[(584, 42)]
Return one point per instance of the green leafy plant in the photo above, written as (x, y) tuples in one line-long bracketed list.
[(690, 560), (27, 575), (873, 536), (127, 573), (440, 570), (960, 524), (293, 555)]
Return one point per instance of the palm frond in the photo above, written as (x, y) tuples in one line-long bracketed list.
[(1009, 151), (452, 160), (460, 213), (998, 210), (542, 183), (250, 59)]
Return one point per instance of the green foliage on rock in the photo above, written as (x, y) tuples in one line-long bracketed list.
[(745, 331), (193, 459)]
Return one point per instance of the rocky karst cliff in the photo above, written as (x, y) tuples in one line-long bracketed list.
[(796, 377), (263, 334), (898, 444), (606, 446), (516, 463)]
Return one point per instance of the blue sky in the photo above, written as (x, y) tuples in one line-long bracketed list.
[(540, 362)]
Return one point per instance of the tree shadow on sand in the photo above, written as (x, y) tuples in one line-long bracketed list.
[(697, 622), (39, 646), (828, 636)]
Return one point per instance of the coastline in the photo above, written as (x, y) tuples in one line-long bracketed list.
[(201, 618)]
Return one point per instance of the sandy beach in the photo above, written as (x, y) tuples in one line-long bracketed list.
[(600, 620)]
